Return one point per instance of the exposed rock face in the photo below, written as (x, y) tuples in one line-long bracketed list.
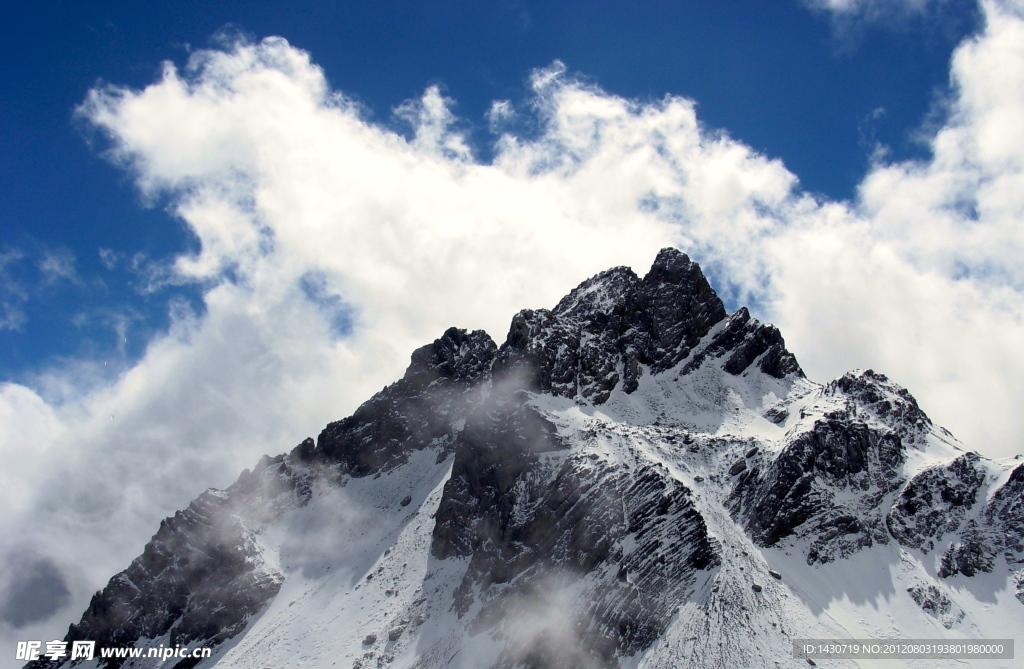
[(936, 604), (935, 502), (476, 512), (202, 575), (609, 328), (608, 463), (743, 341), (795, 490), (873, 395), (411, 413), (972, 552), (997, 529), (526, 513), (1005, 514)]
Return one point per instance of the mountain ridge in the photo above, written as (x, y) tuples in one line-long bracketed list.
[(625, 467)]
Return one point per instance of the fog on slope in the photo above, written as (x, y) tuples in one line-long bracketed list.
[(305, 211)]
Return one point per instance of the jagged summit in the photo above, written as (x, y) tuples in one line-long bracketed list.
[(598, 294), (634, 477), (457, 355), (614, 326)]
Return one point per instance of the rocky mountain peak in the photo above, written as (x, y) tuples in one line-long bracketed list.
[(680, 305), (457, 355), (611, 328), (602, 293), (468, 515)]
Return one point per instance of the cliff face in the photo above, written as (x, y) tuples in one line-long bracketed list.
[(635, 474)]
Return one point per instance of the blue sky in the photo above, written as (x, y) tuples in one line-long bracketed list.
[(223, 225), (789, 81)]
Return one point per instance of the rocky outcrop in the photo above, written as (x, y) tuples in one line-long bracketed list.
[(412, 413), (794, 492), (743, 341), (523, 512), (873, 397), (606, 331), (970, 553), (935, 502), (201, 576), (997, 530), (1005, 514), (935, 603)]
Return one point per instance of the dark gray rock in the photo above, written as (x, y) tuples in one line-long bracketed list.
[(744, 340), (935, 502), (579, 516), (998, 529), (1004, 513), (776, 415), (201, 575), (792, 493), (411, 414), (972, 553), (869, 392), (936, 604), (605, 330)]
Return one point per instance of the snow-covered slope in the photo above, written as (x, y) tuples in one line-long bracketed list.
[(634, 478)]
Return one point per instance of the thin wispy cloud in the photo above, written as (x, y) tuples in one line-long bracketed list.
[(57, 266), (882, 10), (26, 274), (851, 20), (13, 293)]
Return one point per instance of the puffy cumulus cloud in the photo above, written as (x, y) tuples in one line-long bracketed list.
[(936, 253), (923, 279), (28, 428), (970, 191), (331, 247)]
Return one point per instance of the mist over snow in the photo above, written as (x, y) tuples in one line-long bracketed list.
[(332, 246)]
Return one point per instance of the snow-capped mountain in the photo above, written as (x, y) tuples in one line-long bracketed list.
[(634, 478)]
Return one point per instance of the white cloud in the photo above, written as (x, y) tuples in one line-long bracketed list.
[(850, 19), (306, 213), (431, 119), (499, 114), (110, 258), (25, 275), (874, 10), (13, 293), (57, 266), (855, 6)]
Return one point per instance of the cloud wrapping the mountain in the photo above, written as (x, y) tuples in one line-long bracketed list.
[(331, 247)]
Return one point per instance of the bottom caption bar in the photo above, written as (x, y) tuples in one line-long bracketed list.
[(907, 649)]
